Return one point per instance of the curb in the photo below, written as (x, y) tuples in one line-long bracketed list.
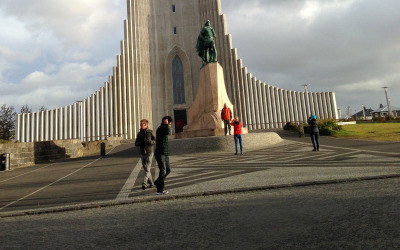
[(112, 203)]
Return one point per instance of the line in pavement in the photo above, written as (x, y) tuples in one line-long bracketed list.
[(40, 189), (26, 173), (353, 149), (130, 182)]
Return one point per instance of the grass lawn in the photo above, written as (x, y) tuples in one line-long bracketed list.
[(371, 131)]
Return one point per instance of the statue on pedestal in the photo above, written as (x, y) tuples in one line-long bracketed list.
[(206, 44)]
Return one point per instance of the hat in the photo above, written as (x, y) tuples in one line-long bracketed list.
[(314, 117)]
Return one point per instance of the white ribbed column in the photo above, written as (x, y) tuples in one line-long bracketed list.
[(303, 106), (250, 108), (260, 104), (333, 105), (247, 99), (97, 115), (295, 108), (106, 110), (281, 106), (286, 107), (42, 126), (265, 106), (102, 114), (328, 105), (85, 120), (274, 106), (238, 100)]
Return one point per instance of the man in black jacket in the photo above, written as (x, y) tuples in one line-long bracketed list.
[(146, 139), (162, 154)]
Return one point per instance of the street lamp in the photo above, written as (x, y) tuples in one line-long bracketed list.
[(387, 101), (363, 109)]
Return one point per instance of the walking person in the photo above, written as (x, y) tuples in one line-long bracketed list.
[(314, 132), (162, 154), (237, 134), (145, 139), (226, 116)]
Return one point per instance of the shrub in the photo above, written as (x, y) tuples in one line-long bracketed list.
[(290, 126), (389, 118), (328, 127)]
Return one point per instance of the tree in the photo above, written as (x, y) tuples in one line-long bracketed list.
[(348, 112), (43, 108), (7, 122), (26, 109)]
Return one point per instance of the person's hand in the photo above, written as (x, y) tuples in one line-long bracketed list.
[(170, 124)]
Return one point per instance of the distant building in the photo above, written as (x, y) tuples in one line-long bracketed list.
[(360, 115), (382, 111)]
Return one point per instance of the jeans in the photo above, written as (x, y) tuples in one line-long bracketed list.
[(163, 166), (227, 126), (146, 163), (238, 138), (315, 140)]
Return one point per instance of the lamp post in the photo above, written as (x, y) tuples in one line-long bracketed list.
[(308, 109), (387, 101), (363, 109), (80, 120)]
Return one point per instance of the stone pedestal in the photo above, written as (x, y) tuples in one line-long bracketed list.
[(204, 115)]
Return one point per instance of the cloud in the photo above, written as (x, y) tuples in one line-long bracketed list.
[(74, 22), (53, 53), (343, 46)]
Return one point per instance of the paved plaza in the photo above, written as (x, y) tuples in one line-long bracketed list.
[(116, 179)]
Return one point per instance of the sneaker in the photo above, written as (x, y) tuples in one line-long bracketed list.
[(241, 153), (163, 193), (152, 185), (144, 186), (235, 153)]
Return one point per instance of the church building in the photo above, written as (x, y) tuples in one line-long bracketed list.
[(157, 74)]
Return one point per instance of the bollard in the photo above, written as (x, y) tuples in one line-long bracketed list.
[(4, 162), (102, 149)]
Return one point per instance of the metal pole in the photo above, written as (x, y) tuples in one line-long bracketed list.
[(363, 109), (387, 101)]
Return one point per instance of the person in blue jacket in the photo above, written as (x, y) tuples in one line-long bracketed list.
[(314, 132)]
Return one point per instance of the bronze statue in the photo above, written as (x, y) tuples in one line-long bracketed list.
[(206, 44)]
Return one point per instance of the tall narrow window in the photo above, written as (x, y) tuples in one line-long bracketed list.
[(177, 79), (175, 30), (173, 8)]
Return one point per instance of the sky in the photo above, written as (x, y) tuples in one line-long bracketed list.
[(53, 53)]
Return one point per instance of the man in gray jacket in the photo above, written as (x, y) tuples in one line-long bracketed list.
[(145, 139)]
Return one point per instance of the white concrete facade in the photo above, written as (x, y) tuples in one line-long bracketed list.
[(157, 32)]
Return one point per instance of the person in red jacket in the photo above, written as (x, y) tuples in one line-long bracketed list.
[(237, 134), (226, 116)]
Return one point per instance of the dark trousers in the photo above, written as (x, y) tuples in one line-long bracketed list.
[(315, 140), (227, 126), (163, 166)]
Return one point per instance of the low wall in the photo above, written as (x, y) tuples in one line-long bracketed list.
[(251, 141), (30, 153)]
